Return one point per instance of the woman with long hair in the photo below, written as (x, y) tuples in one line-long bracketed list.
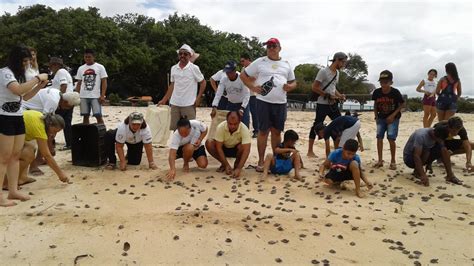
[(449, 91), (33, 69), (428, 88), (12, 126)]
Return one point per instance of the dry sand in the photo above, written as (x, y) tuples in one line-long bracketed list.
[(205, 217)]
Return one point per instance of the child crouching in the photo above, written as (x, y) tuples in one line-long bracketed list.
[(285, 157), (344, 164)]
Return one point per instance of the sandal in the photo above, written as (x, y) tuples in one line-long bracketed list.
[(454, 180), (259, 169), (378, 164)]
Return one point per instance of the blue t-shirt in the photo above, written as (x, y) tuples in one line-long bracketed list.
[(338, 125), (338, 163)]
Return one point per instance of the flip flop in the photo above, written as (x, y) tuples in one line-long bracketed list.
[(259, 169), (110, 166), (37, 172), (250, 167), (455, 180)]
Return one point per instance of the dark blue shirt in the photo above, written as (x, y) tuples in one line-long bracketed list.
[(338, 125)]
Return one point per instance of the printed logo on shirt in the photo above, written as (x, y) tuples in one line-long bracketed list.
[(275, 66), (8, 76), (89, 79), (267, 87), (385, 105), (120, 137)]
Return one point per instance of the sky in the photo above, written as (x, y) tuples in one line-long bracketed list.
[(405, 37)]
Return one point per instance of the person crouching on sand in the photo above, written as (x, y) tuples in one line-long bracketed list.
[(285, 158), (344, 164), (186, 143), (136, 134)]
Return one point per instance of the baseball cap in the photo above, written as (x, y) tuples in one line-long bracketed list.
[(55, 60), (338, 55), (386, 75), (136, 118), (230, 66), (272, 41)]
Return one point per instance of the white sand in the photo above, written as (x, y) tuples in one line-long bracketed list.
[(205, 208)]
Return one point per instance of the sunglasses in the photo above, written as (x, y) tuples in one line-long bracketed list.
[(183, 53), (270, 46)]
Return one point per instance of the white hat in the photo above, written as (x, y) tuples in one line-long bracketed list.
[(187, 48), (72, 98)]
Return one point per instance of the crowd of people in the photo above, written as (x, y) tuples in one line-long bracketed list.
[(34, 110)]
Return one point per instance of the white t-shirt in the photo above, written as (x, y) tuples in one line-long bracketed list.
[(324, 76), (124, 134), (10, 103), (45, 101), (197, 127), (31, 73), (251, 92), (236, 91), (430, 86), (185, 84), (91, 77), (62, 77), (266, 70), (218, 75)]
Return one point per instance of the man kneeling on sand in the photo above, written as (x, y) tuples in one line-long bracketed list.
[(232, 139), (344, 164), (186, 143), (285, 157), (423, 147)]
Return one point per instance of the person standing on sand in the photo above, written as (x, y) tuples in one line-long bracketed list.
[(186, 143), (232, 140), (92, 86), (274, 78), (238, 94), (182, 90), (12, 126), (449, 91), (324, 86), (388, 104), (428, 88), (245, 61), (215, 80)]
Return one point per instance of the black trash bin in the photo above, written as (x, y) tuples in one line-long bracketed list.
[(88, 147)]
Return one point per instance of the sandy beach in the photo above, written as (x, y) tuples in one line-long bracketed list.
[(203, 217)]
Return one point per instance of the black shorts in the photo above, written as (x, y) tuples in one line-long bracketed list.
[(12, 125), (453, 144), (323, 110), (201, 151), (271, 115), (336, 176), (230, 152)]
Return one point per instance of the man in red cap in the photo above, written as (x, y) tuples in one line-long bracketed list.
[(271, 78)]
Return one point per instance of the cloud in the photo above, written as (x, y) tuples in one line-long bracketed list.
[(407, 37)]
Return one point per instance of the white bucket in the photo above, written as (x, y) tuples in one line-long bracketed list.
[(220, 116), (158, 118)]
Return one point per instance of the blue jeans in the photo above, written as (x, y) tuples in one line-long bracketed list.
[(88, 104), (236, 107), (391, 129), (253, 112)]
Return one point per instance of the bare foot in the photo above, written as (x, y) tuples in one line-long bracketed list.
[(186, 167), (36, 172), (18, 196), (393, 166), (311, 155), (360, 194), (221, 169), (6, 203)]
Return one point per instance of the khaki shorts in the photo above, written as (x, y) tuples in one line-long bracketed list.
[(177, 112)]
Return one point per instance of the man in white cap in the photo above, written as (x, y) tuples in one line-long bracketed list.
[(63, 82), (274, 77), (182, 91), (324, 86)]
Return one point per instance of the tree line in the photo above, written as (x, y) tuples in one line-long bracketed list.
[(138, 51)]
